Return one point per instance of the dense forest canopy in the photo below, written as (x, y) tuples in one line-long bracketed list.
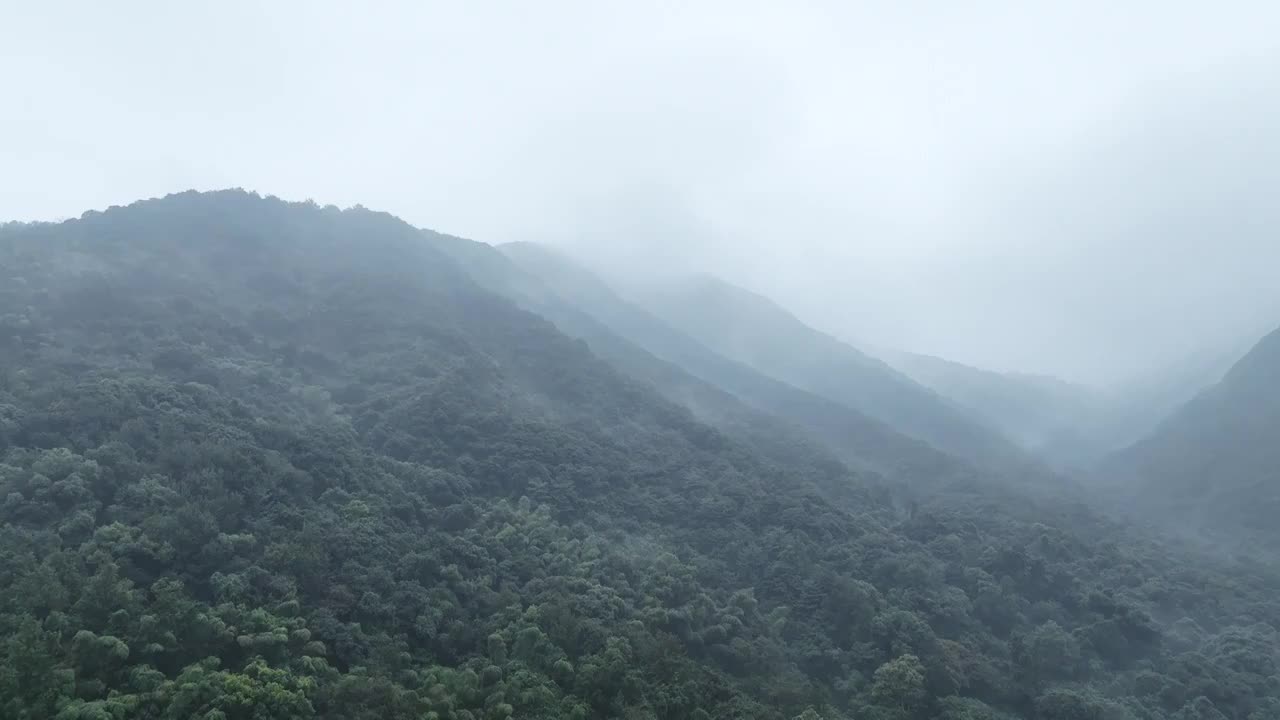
[(263, 459)]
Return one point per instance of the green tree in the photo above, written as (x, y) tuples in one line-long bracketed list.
[(899, 684)]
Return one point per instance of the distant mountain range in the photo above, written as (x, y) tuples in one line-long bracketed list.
[(741, 362), (1069, 425), (718, 388), (756, 332)]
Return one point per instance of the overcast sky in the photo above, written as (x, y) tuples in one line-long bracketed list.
[(1083, 188)]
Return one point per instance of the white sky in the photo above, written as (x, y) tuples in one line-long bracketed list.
[(1083, 188)]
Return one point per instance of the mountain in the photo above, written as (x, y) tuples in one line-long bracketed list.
[(1138, 405), (719, 391), (753, 330), (770, 435), (1063, 423), (1028, 408), (1214, 465), (1069, 425), (263, 460)]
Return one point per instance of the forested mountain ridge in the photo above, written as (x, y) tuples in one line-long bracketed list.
[(1214, 465), (754, 330), (772, 437), (719, 391), (271, 460), (778, 420)]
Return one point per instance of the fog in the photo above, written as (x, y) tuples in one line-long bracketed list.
[(1074, 188)]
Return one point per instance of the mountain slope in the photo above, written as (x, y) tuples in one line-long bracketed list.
[(271, 460), (718, 390), (1068, 425), (366, 487), (753, 330), (1214, 465), (1058, 421)]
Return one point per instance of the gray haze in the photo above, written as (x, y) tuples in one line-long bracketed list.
[(1080, 188)]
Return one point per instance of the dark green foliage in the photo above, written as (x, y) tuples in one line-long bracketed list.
[(269, 460)]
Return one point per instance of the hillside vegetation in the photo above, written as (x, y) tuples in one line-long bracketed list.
[(272, 460)]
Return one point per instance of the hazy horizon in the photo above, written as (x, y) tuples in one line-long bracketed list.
[(1078, 190)]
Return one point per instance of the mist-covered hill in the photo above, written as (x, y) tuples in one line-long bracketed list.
[(272, 460), (719, 391), (755, 331), (1069, 425), (1213, 467), (1049, 417)]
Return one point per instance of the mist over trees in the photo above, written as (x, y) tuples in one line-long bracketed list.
[(263, 459), (640, 361)]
